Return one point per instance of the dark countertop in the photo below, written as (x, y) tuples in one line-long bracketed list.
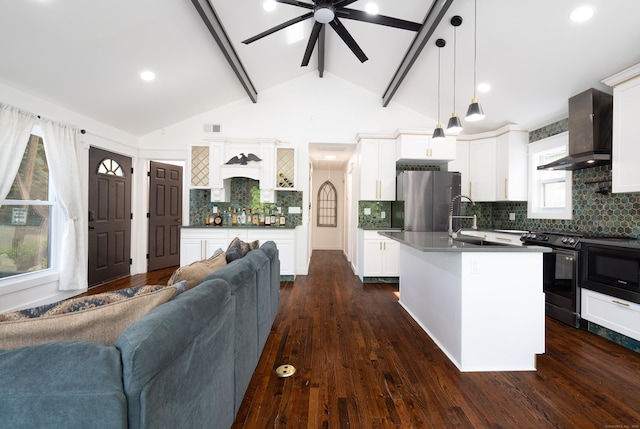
[(439, 242), (238, 227)]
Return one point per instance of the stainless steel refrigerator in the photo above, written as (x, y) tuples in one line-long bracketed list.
[(427, 199)]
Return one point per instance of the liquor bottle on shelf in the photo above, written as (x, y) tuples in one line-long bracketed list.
[(234, 218), (283, 219), (261, 218), (207, 219), (273, 218), (255, 218), (267, 218), (243, 217), (217, 220)]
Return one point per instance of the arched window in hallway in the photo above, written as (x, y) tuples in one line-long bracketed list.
[(327, 205)]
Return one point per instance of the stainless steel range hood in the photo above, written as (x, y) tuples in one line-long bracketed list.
[(590, 125)]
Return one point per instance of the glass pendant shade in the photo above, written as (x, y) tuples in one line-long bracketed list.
[(455, 125), (475, 112), (438, 133)]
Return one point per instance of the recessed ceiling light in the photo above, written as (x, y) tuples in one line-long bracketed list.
[(147, 75), (330, 157), (484, 87), (269, 5), (581, 14), (371, 8)]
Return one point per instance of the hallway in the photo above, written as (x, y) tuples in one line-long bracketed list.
[(362, 362)]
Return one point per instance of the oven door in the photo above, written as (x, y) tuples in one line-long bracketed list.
[(560, 283)]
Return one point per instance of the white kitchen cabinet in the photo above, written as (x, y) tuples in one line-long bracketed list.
[(511, 152), (200, 243), (419, 148), (461, 165), (285, 241), (616, 314), (380, 256), (377, 169), (205, 169), (482, 169), (197, 244), (625, 174), (493, 165)]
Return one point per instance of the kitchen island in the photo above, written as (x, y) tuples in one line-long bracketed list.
[(482, 304)]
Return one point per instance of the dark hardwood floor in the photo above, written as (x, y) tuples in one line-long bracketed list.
[(362, 362)]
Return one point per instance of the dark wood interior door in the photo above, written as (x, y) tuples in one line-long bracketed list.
[(165, 215), (109, 216)]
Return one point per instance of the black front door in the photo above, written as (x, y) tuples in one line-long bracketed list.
[(109, 216)]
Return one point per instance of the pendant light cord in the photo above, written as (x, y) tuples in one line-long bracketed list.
[(475, 47), (439, 49), (454, 68)]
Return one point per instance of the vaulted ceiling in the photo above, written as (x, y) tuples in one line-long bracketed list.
[(87, 56)]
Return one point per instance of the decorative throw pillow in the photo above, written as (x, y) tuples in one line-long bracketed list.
[(238, 248), (99, 318), (195, 273)]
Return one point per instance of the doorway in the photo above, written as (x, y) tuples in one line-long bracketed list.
[(165, 215), (109, 216)]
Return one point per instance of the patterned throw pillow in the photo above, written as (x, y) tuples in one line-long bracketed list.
[(238, 248), (195, 273), (99, 318)]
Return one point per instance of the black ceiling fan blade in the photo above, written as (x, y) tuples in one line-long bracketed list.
[(346, 37), (359, 15), (311, 43), (278, 28), (343, 3), (321, 51), (297, 3)]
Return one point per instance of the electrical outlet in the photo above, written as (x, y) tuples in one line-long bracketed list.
[(475, 266), (295, 210), (367, 211), (215, 209), (512, 216), (383, 215)]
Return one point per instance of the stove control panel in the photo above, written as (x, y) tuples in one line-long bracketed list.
[(550, 239)]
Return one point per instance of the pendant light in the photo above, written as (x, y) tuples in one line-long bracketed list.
[(475, 112), (438, 132), (454, 126)]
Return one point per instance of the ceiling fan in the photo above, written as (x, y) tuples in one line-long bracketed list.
[(328, 12)]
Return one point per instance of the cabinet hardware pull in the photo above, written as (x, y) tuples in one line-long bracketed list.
[(503, 239), (470, 188), (620, 303), (506, 187)]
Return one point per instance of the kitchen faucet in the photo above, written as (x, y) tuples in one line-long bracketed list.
[(451, 216)]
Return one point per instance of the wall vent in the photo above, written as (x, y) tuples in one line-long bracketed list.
[(211, 128)]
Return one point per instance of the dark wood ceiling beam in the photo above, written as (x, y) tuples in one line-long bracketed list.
[(211, 20), (431, 21)]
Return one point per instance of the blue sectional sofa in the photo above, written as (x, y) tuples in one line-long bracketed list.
[(186, 364)]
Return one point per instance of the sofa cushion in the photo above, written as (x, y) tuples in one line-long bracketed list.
[(178, 361), (99, 318), (195, 273), (62, 385), (238, 249)]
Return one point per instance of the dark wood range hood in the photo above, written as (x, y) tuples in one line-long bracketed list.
[(590, 127)]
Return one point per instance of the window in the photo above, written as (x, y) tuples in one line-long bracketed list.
[(327, 205), (25, 215), (549, 190)]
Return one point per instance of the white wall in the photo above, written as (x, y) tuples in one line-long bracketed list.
[(328, 238), (42, 288), (305, 110)]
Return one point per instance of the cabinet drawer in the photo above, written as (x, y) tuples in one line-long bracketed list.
[(616, 314)]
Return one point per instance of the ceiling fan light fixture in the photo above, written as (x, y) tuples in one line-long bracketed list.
[(324, 13)]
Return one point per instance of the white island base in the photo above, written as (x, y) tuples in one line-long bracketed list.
[(485, 310)]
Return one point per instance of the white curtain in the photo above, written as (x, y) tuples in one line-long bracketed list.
[(15, 129), (60, 145)]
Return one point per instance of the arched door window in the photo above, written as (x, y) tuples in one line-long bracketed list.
[(110, 167), (327, 205)]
